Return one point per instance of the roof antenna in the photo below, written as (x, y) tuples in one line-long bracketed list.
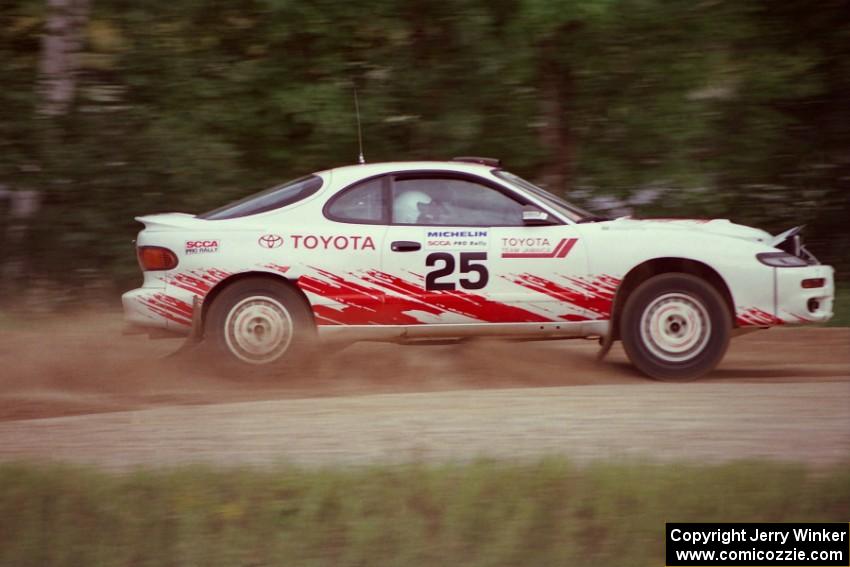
[(360, 159)]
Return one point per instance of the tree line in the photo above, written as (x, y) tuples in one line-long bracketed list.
[(113, 108)]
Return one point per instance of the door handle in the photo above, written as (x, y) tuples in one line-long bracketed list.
[(405, 246)]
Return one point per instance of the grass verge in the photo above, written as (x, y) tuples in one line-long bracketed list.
[(484, 513)]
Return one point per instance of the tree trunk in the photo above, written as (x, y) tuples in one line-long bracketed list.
[(60, 47), (61, 43), (20, 207), (556, 135)]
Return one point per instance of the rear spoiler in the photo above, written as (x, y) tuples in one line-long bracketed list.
[(166, 221)]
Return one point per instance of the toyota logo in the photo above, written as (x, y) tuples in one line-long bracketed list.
[(270, 241)]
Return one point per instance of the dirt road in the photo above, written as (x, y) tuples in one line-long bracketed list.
[(780, 394)]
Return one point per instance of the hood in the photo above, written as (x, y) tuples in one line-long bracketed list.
[(719, 227)]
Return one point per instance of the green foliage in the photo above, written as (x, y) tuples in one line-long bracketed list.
[(732, 109), (485, 513)]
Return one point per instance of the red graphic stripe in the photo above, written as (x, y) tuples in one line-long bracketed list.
[(362, 305), (483, 309), (591, 294), (568, 245), (172, 309), (558, 248), (463, 303), (278, 268), (390, 299), (323, 321), (199, 282), (754, 317), (574, 317)]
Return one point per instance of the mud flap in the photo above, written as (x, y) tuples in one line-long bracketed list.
[(196, 334), (605, 344)]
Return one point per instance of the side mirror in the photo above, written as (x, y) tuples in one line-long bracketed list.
[(532, 216)]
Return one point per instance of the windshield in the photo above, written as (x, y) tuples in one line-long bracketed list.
[(268, 200), (572, 212)]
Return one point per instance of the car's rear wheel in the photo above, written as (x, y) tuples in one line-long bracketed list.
[(675, 327), (259, 322)]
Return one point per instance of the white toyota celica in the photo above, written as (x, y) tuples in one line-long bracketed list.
[(422, 251)]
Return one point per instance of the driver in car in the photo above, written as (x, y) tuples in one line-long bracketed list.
[(418, 207)]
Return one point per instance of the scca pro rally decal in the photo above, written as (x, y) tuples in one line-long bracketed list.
[(201, 246), (528, 247), (456, 239)]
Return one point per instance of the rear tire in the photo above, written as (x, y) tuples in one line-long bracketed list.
[(257, 323), (675, 327)]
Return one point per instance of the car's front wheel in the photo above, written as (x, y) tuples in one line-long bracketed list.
[(675, 327), (258, 322)]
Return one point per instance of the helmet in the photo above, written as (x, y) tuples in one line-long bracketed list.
[(408, 206)]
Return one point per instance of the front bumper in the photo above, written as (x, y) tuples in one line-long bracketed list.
[(796, 305)]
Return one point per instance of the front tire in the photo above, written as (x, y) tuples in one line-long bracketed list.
[(675, 327), (259, 322)]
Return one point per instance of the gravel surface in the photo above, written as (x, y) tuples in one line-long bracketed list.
[(782, 394), (706, 422)]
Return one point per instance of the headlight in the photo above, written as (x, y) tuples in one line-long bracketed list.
[(781, 260)]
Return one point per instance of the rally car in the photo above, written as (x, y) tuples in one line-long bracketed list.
[(413, 252)]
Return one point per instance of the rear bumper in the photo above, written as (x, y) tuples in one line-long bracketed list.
[(151, 308)]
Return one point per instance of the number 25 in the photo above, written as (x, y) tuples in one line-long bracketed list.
[(448, 267)]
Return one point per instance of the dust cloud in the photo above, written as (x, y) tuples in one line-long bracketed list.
[(83, 364)]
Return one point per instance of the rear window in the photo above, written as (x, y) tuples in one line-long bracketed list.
[(268, 200)]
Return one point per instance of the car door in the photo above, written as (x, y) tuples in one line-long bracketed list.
[(457, 251), (340, 255)]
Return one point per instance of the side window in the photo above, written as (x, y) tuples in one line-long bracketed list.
[(360, 203), (268, 200), (446, 201)]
